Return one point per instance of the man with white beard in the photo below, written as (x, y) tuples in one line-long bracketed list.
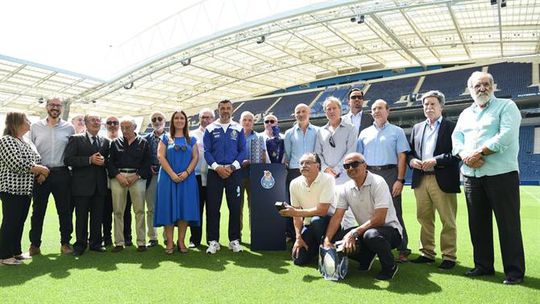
[(486, 138)]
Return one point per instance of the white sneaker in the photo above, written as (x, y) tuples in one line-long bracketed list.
[(235, 246), (11, 262), (213, 247)]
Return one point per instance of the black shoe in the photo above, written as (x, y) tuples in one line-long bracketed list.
[(129, 243), (512, 281), (447, 264), (141, 248), (193, 245), (117, 249), (387, 274), (107, 243), (477, 272), (152, 243), (366, 266), (98, 249), (422, 260), (77, 252)]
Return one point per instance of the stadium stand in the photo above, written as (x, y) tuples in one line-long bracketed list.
[(284, 108), (257, 107), (512, 79), (529, 163), (391, 91), (452, 83)]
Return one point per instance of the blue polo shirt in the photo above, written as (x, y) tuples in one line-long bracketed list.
[(381, 146)]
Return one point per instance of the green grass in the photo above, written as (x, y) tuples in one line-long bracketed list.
[(262, 277)]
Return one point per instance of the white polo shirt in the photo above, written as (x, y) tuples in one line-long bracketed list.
[(320, 191), (363, 201)]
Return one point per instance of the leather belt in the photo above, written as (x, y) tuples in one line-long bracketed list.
[(56, 169), (428, 172), (126, 170), (380, 168)]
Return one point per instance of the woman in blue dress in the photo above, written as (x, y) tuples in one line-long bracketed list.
[(177, 201)]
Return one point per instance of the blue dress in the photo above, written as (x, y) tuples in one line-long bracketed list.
[(177, 201)]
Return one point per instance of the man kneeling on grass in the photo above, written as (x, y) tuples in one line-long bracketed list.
[(311, 196), (371, 203)]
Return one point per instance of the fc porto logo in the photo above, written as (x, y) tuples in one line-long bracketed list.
[(267, 181), (234, 134)]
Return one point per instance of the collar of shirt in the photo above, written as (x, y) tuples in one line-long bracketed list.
[(357, 115), (383, 127), (341, 124), (89, 135), (45, 121), (297, 127), (476, 108), (367, 182), (437, 122), (315, 181)]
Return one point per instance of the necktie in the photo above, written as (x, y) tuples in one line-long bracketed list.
[(95, 143)]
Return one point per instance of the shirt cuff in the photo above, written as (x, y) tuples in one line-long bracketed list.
[(236, 164), (214, 166)]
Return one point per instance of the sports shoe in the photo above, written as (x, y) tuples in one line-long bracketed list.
[(366, 267), (23, 256), (213, 247), (387, 274), (66, 249), (11, 262), (235, 246)]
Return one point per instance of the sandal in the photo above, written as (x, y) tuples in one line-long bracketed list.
[(181, 249), (169, 251)]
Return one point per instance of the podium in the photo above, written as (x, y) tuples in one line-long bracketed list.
[(267, 185)]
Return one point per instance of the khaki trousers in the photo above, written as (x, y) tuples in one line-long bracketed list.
[(119, 196), (430, 198)]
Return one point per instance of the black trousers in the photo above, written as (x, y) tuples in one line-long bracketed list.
[(498, 194), (390, 177), (376, 241), (14, 212), (196, 231), (85, 205), (107, 218), (59, 184), (214, 195), (312, 235)]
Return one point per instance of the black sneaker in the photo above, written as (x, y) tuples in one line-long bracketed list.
[(422, 260), (153, 243), (447, 264), (387, 274)]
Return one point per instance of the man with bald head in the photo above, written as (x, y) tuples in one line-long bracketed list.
[(50, 136), (378, 230), (86, 154), (486, 138), (384, 146)]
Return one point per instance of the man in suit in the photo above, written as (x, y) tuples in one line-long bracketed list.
[(86, 154), (356, 115), (435, 180)]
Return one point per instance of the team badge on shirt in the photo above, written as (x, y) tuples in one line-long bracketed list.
[(268, 181), (234, 134)]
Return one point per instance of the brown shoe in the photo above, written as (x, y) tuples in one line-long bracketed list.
[(34, 250), (66, 249), (117, 249)]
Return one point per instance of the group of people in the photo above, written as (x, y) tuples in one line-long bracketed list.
[(344, 180)]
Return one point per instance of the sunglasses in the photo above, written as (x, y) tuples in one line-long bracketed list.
[(179, 147), (269, 121), (112, 123), (157, 118), (331, 141), (360, 97), (353, 164)]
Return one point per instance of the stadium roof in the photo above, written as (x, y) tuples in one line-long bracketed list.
[(318, 41)]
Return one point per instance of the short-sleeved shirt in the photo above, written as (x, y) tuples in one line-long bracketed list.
[(381, 146), (51, 142), (303, 196), (373, 194)]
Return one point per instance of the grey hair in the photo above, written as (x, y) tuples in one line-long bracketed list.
[(207, 110), (332, 99), (130, 120), (246, 113), (434, 93), (476, 75)]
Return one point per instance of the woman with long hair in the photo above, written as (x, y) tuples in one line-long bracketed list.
[(177, 201), (19, 166)]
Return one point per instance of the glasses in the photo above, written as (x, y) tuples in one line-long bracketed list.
[(206, 117), (269, 121), (353, 164), (52, 105), (331, 141), (112, 123), (360, 97), (157, 118), (179, 147)]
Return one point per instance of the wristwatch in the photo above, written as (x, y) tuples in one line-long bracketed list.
[(355, 234), (401, 180), (232, 167)]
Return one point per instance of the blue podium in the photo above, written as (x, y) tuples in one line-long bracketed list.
[(267, 185)]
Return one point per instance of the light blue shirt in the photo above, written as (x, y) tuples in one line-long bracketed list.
[(381, 146), (496, 127), (51, 142), (297, 143), (429, 139), (253, 137)]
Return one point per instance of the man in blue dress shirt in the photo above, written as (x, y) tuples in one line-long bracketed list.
[(224, 151), (384, 146), (486, 138)]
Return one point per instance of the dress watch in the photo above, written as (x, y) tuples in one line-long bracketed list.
[(355, 234), (401, 180)]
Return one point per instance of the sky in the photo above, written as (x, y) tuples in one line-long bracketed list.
[(95, 38)]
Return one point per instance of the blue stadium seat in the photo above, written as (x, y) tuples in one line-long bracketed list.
[(452, 83), (391, 90), (512, 79), (285, 107)]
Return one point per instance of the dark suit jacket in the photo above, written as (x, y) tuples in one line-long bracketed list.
[(87, 179), (447, 167)]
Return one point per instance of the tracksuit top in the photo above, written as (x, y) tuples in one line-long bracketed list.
[(224, 147)]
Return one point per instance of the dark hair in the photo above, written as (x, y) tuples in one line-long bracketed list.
[(13, 121), (223, 102), (185, 130), (355, 90), (316, 156)]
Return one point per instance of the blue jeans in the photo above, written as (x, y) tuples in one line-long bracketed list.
[(312, 235)]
